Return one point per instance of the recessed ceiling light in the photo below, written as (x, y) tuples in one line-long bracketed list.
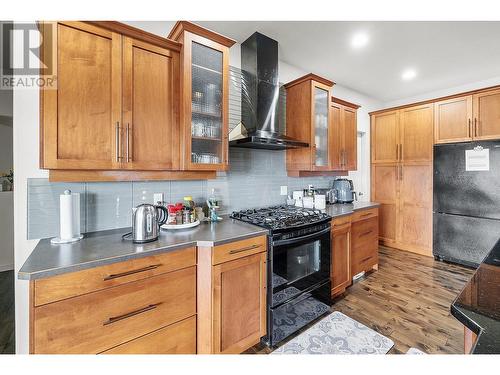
[(359, 40), (409, 74)]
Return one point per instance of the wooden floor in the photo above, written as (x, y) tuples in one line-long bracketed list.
[(408, 300), (7, 337)]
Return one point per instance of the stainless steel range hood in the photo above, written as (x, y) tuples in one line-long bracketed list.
[(260, 97)]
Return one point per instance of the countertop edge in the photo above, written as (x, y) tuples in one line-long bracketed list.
[(30, 276)]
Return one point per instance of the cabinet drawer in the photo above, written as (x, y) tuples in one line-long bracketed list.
[(77, 283), (238, 249), (364, 214), (365, 232), (98, 321), (341, 221), (178, 338)]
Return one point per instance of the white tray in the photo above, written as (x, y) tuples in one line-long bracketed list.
[(180, 226)]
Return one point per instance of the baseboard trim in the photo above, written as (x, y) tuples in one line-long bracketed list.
[(6, 267)]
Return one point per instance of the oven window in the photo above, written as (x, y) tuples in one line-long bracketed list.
[(303, 261)]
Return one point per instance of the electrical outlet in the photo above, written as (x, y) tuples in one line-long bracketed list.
[(158, 197), (283, 190)]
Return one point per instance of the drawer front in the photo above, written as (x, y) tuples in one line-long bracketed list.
[(341, 221), (238, 249), (77, 283), (364, 261), (178, 338), (98, 321), (365, 233), (364, 214)]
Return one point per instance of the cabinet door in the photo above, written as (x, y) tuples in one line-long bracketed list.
[(150, 96), (487, 115), (385, 137), (206, 94), (239, 303), (320, 132), (350, 138), (385, 180), (416, 133), (81, 119), (415, 208), (453, 120), (337, 135), (341, 275)]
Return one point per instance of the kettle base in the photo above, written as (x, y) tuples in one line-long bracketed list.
[(145, 241)]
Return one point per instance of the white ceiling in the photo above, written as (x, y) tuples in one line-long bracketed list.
[(444, 54)]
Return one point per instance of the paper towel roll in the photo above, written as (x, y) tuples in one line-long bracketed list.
[(66, 216)]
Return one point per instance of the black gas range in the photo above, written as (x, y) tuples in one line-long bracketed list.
[(298, 266)]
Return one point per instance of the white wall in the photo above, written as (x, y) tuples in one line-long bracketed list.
[(445, 92), (26, 125)]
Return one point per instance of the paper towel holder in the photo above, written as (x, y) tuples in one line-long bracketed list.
[(76, 236)]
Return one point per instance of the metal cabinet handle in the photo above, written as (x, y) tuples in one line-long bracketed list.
[(244, 249), (367, 258), (401, 152), (401, 169), (117, 135), (475, 127), (131, 272), (368, 214), (130, 314), (129, 158), (470, 128)]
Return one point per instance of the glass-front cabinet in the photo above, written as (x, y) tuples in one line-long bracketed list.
[(321, 105), (204, 96)]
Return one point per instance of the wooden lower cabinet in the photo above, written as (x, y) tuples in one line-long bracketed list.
[(123, 307), (232, 297), (340, 257), (364, 247), (178, 338), (354, 247)]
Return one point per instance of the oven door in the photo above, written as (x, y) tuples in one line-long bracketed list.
[(299, 265)]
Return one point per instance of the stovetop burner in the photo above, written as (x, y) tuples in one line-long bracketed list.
[(281, 217)]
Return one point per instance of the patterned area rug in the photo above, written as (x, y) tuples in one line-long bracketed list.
[(337, 334), (414, 351)]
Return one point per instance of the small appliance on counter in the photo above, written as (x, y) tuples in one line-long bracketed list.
[(146, 222), (344, 190), (69, 218)]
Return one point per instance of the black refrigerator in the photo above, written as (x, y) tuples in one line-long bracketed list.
[(466, 206)]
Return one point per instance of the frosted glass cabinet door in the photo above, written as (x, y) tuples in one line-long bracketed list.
[(321, 103), (206, 105)]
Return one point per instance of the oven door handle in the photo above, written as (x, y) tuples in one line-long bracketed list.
[(300, 239)]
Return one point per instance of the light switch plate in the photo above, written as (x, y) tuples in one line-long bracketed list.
[(283, 190), (158, 197)]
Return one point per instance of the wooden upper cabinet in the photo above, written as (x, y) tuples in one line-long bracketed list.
[(345, 135), (486, 106), (150, 130), (328, 125), (385, 137), (453, 120), (80, 119), (205, 97), (416, 133)]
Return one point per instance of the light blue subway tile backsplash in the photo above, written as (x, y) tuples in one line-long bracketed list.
[(43, 206), (108, 205), (254, 180)]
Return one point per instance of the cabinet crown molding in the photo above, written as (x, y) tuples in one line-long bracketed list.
[(345, 103), (310, 77), (182, 26)]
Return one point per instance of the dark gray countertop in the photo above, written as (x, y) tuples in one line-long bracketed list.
[(336, 210), (105, 247)]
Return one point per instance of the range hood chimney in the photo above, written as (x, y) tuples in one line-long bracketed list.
[(260, 97)]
